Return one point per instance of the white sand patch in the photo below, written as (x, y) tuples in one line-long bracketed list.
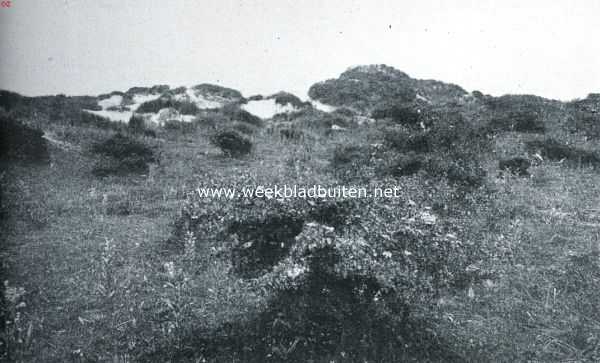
[(422, 98), (165, 115), (112, 101), (322, 106), (191, 95), (119, 116), (267, 108), (201, 100)]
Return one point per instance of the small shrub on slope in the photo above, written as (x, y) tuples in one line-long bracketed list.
[(21, 142), (232, 143), (557, 151), (122, 155)]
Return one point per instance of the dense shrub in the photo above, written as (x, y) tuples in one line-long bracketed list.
[(364, 87), (346, 154), (337, 293), (183, 107), (219, 91), (344, 111), (285, 98), (406, 141), (555, 150), (237, 114), (21, 142), (520, 121), (404, 114), (244, 128), (180, 126), (466, 175), (150, 133), (232, 143), (263, 242), (156, 89), (93, 120), (136, 124), (407, 164), (518, 166), (288, 133), (9, 100), (255, 98), (121, 155)]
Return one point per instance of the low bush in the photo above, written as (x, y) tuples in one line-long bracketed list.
[(136, 124), (121, 155), (519, 121), (291, 134), (21, 142), (407, 164), (347, 154), (404, 114), (237, 114), (285, 98), (404, 140), (244, 128), (518, 166), (466, 175), (232, 143), (92, 120), (554, 150), (180, 126), (263, 242), (183, 107)]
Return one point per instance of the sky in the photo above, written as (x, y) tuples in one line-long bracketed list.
[(80, 47)]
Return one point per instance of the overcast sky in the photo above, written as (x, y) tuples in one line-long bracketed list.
[(94, 46)]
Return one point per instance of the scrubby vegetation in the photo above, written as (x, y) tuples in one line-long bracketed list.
[(232, 143), (183, 107), (235, 113), (286, 98), (21, 142), (468, 262), (558, 151), (220, 91), (121, 155)]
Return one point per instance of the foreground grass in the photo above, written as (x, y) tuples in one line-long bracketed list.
[(101, 282)]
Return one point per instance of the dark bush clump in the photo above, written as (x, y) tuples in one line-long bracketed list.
[(285, 98), (180, 126), (346, 154), (255, 98), (244, 128), (150, 133), (557, 151), (406, 141), (90, 119), (263, 242), (21, 142), (220, 91), (136, 124), (399, 113), (465, 175), (345, 112), (232, 143), (407, 164), (237, 114), (291, 134), (517, 166), (184, 107), (123, 155), (520, 121), (9, 100)]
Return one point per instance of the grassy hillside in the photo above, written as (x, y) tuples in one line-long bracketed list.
[(470, 262)]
